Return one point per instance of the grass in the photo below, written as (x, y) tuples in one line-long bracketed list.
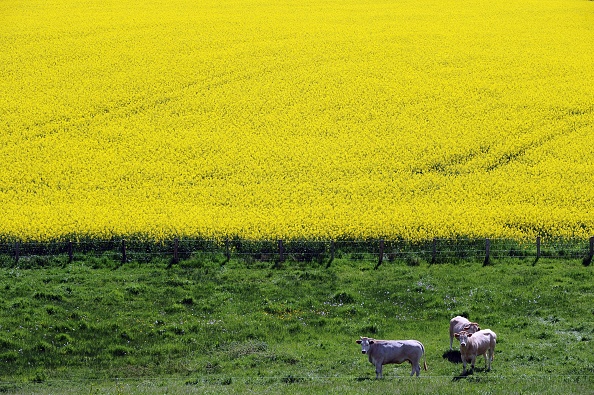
[(206, 326)]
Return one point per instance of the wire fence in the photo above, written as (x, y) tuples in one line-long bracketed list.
[(279, 251), (129, 384)]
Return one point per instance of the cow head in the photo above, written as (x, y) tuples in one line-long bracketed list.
[(365, 342), (473, 327), (463, 337)]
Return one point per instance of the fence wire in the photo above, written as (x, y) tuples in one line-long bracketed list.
[(276, 251), (204, 380)]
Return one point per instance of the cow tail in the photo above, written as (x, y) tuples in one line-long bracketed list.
[(424, 358)]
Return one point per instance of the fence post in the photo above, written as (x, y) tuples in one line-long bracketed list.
[(175, 258), (70, 252), (487, 252), (176, 250), (537, 248), (331, 254), (588, 259), (123, 251), (227, 250), (381, 254), (434, 251), (281, 251), (17, 247)]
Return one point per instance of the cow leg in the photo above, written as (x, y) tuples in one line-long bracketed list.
[(451, 342), (416, 368), (378, 371)]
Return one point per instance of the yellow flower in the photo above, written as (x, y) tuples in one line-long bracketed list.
[(213, 119)]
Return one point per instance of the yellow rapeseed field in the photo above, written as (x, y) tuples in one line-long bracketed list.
[(296, 118)]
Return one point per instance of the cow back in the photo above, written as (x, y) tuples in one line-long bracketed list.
[(457, 324)]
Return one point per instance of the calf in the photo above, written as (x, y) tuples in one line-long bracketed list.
[(474, 344), (383, 352), (459, 324)]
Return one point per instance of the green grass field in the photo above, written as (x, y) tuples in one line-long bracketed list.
[(206, 326)]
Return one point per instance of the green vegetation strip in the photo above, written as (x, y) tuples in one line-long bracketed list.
[(212, 326)]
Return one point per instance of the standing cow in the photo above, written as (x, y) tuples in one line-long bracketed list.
[(459, 324), (383, 352), (475, 344)]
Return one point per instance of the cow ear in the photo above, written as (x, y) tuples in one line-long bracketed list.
[(469, 335), (457, 335), (358, 341), (371, 342)]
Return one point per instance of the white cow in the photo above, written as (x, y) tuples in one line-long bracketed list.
[(459, 324), (383, 352), (475, 344)]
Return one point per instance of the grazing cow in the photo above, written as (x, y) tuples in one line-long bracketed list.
[(459, 324), (474, 344), (383, 352)]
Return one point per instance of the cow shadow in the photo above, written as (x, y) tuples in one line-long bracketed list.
[(469, 375), (461, 376), (453, 356)]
